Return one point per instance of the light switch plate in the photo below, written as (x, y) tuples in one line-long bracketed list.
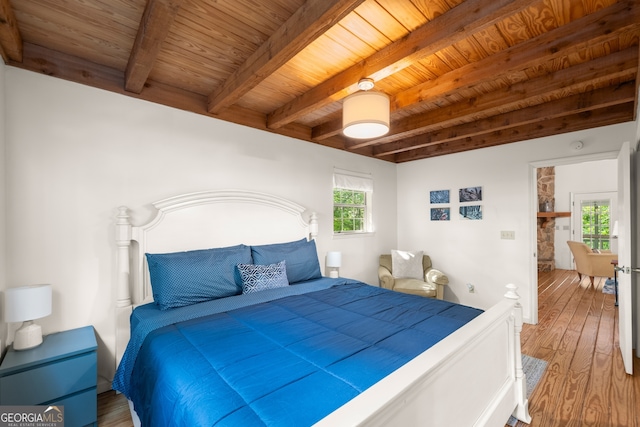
[(508, 235)]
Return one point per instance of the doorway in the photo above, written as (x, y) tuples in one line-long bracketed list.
[(586, 174)]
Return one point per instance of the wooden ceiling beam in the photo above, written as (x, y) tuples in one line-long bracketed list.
[(586, 31), (10, 39), (572, 123), (308, 23), (605, 24), (153, 29), (593, 100), (457, 24), (620, 65), (326, 129)]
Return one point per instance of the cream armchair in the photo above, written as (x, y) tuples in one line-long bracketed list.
[(590, 263), (432, 286)]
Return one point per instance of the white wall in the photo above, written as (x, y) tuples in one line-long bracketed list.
[(472, 251), (74, 154), (587, 177)]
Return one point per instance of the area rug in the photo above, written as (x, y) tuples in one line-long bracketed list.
[(534, 369), (609, 287)]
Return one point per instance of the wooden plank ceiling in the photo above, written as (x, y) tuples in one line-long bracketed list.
[(461, 75)]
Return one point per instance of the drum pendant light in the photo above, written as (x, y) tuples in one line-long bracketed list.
[(365, 114)]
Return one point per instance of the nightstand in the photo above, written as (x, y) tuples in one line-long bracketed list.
[(61, 371)]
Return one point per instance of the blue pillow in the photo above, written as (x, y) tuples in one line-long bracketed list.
[(301, 258), (257, 278), (185, 278)]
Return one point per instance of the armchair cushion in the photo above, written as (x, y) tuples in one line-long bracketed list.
[(430, 284), (416, 287)]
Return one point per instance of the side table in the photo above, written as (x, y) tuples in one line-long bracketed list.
[(62, 371)]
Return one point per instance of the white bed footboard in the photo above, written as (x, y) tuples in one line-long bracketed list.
[(472, 378)]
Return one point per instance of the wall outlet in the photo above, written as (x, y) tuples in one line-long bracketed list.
[(471, 288), (508, 235)]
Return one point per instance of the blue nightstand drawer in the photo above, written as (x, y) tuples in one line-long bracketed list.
[(79, 410), (49, 382)]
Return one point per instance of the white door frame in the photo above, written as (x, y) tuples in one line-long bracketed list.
[(533, 209)]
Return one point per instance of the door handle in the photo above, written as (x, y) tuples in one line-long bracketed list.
[(626, 270)]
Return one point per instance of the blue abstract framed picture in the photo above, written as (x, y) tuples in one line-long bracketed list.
[(472, 212), (440, 214), (439, 196), (470, 194)]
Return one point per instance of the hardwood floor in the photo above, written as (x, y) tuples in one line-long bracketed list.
[(584, 383), (113, 410)]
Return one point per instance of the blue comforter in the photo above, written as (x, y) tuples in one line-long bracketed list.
[(286, 362)]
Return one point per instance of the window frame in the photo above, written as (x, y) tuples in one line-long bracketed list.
[(348, 181)]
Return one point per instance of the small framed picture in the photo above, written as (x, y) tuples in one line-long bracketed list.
[(440, 214), (470, 194), (439, 196), (473, 212)]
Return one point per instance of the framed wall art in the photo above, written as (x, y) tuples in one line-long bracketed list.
[(440, 214), (439, 196), (470, 194), (472, 212)]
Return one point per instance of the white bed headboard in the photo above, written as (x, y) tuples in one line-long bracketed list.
[(201, 220)]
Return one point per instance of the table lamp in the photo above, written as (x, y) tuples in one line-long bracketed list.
[(615, 233), (334, 261), (25, 304)]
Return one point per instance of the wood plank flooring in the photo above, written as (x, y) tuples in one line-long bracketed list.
[(577, 334), (584, 384)]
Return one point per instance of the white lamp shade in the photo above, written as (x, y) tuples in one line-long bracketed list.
[(615, 231), (334, 259), (365, 115), (27, 303)]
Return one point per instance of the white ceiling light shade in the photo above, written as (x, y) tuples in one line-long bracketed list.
[(365, 114)]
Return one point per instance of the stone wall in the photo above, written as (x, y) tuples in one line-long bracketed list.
[(546, 226)]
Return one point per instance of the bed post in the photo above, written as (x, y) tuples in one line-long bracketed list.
[(313, 226), (123, 292), (522, 408)]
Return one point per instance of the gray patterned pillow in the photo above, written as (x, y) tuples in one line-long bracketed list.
[(405, 264), (257, 277)]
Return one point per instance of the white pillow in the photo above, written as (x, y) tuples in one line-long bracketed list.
[(405, 264)]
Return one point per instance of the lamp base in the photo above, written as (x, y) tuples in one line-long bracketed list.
[(334, 274), (28, 336)]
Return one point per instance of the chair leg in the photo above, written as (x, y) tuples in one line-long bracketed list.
[(591, 278)]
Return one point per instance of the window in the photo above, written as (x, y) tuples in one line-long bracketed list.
[(352, 194), (596, 220), (349, 210)]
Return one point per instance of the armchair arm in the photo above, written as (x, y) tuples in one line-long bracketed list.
[(386, 278), (438, 278)]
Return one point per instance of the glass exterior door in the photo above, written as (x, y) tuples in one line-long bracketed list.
[(596, 223)]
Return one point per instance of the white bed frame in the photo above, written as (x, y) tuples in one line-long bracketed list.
[(473, 377)]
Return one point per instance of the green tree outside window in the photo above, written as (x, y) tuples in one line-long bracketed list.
[(596, 222), (349, 211)]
